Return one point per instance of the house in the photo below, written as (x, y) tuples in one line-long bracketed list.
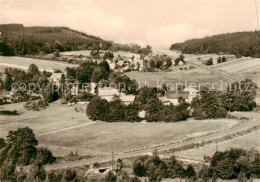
[(74, 90), (55, 78), (174, 96), (127, 99), (193, 92), (164, 100), (108, 93), (5, 97)]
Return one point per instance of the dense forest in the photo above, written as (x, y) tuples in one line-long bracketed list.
[(20, 40), (239, 43)]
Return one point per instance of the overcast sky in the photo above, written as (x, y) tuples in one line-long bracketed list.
[(155, 22)]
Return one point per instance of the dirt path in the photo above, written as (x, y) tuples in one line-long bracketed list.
[(242, 127), (66, 128)]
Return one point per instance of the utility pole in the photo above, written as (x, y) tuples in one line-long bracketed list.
[(113, 158), (216, 146)]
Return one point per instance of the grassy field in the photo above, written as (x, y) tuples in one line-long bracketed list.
[(196, 75), (62, 129), (24, 63), (245, 142), (240, 65)]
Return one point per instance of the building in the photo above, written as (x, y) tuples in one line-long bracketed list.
[(127, 99), (74, 90), (174, 96), (5, 97), (164, 100), (193, 92), (108, 93), (55, 78)]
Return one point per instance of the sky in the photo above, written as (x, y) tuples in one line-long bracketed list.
[(158, 23)]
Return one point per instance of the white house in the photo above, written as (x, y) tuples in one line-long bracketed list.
[(55, 78), (127, 99), (74, 90)]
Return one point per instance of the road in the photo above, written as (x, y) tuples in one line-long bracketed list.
[(242, 127)]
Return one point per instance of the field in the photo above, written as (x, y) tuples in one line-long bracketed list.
[(62, 129), (24, 63), (245, 142)]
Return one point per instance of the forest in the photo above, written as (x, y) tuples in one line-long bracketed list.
[(20, 40), (239, 44)]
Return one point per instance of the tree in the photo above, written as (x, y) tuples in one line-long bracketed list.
[(33, 70), (2, 143), (240, 96), (50, 93), (219, 60), (70, 175), (190, 172), (209, 62), (110, 177), (44, 156), (168, 62), (224, 59), (8, 81), (208, 105)]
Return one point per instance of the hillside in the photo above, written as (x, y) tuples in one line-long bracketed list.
[(21, 40), (239, 43)]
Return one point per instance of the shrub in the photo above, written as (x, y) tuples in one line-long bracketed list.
[(6, 112), (36, 105), (110, 177)]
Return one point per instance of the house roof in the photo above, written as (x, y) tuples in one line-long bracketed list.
[(164, 99), (108, 91), (177, 95), (55, 75), (191, 89), (127, 98)]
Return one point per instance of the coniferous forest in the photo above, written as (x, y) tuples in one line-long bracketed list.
[(239, 43)]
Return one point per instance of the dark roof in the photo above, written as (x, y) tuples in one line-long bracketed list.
[(177, 95)]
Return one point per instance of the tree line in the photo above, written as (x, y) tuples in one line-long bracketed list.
[(238, 43), (230, 164)]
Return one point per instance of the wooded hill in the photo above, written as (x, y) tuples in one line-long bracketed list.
[(238, 43), (20, 40)]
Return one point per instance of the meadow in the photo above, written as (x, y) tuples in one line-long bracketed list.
[(24, 63), (61, 129)]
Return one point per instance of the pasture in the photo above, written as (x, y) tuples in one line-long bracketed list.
[(61, 129), (24, 63)]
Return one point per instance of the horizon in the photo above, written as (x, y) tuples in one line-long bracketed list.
[(157, 23)]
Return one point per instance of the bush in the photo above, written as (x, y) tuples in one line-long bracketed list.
[(36, 105), (209, 62), (6, 112), (70, 175), (110, 177)]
